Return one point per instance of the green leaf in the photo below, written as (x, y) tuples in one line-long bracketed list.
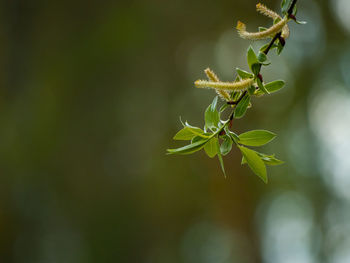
[(190, 148), (285, 6), (223, 107), (270, 159), (235, 95), (264, 47), (241, 107), (251, 90), (251, 56), (211, 148), (220, 159), (262, 58), (276, 20), (196, 139), (279, 48), (261, 86), (211, 116), (254, 162), (188, 133), (226, 145), (272, 87), (214, 103), (256, 68), (261, 28), (244, 74), (256, 137), (234, 136)]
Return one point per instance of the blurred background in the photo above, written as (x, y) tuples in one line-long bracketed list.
[(90, 97)]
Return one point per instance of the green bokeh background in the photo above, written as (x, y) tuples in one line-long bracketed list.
[(90, 97)]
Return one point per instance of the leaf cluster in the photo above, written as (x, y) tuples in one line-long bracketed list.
[(216, 138)]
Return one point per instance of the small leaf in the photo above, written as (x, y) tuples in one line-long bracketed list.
[(256, 68), (235, 95), (226, 145), (190, 148), (285, 6), (196, 139), (214, 103), (272, 87), (264, 47), (276, 20), (241, 107), (279, 47), (220, 159), (256, 137), (261, 86), (261, 28), (254, 162), (234, 136), (223, 107), (244, 74), (211, 148), (251, 90), (270, 159), (252, 59), (262, 58), (211, 116), (188, 133)]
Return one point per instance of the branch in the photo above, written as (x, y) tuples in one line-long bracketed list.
[(290, 10), (266, 51)]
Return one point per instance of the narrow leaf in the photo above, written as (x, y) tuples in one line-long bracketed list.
[(254, 162), (261, 86), (223, 107), (256, 137), (272, 87), (252, 59), (241, 108), (256, 68), (188, 133), (211, 116), (211, 148), (262, 58), (234, 136), (226, 145), (270, 159), (188, 149), (220, 159), (285, 6), (244, 74)]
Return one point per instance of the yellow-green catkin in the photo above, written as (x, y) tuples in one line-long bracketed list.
[(228, 86), (270, 32), (213, 77)]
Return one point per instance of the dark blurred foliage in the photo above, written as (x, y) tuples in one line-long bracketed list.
[(90, 97)]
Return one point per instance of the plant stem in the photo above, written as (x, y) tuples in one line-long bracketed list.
[(266, 51), (277, 36), (290, 10)]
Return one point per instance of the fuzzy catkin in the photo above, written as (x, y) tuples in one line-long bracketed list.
[(229, 86), (241, 28), (212, 76)]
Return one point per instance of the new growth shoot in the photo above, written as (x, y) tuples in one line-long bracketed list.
[(217, 137)]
